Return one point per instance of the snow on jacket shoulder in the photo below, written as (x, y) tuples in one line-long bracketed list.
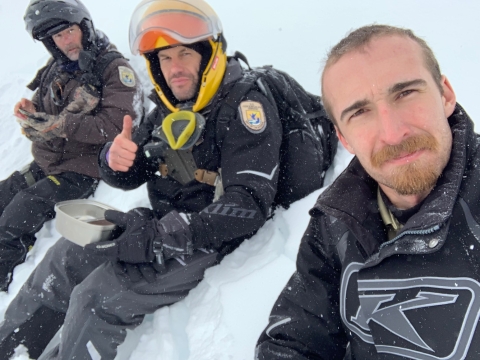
[(249, 162), (356, 295)]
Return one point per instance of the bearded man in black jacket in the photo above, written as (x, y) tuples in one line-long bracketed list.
[(389, 266)]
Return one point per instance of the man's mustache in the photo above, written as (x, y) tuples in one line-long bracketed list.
[(70, 48), (181, 75), (408, 146)]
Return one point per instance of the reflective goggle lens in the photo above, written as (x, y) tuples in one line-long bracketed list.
[(178, 22), (174, 28)]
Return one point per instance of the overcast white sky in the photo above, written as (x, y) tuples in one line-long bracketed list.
[(291, 35)]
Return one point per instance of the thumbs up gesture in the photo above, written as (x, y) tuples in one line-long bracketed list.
[(123, 150)]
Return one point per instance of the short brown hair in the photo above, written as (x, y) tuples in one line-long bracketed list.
[(362, 36)]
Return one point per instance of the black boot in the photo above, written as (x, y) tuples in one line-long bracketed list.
[(34, 334), (12, 253)]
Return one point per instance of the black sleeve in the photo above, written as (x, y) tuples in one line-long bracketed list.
[(142, 170), (249, 167), (305, 321)]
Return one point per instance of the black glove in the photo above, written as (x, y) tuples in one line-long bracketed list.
[(135, 245), (145, 239), (176, 235)]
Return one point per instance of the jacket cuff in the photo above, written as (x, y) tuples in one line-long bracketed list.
[(103, 155)]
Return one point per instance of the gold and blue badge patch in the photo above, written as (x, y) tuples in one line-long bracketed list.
[(253, 116), (127, 77)]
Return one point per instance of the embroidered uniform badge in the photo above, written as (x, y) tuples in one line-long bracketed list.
[(127, 77), (253, 116)]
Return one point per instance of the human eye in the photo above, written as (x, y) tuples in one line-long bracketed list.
[(404, 93), (358, 113)]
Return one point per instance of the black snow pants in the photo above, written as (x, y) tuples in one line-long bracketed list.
[(96, 301), (27, 200)]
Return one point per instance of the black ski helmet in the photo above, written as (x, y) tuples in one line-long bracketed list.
[(45, 18)]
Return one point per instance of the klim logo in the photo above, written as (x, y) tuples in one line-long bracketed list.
[(426, 318)]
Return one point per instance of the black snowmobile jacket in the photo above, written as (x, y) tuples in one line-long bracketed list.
[(356, 295), (249, 165)]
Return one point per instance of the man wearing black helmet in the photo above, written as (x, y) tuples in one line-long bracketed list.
[(212, 167), (81, 96)]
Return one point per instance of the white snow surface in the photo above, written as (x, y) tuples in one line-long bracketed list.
[(223, 317)]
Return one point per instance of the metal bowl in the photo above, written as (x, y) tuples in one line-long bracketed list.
[(83, 221)]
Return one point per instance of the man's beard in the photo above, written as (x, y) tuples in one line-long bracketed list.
[(413, 178), (185, 94), (73, 57)]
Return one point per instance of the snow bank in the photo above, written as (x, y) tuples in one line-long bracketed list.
[(223, 316)]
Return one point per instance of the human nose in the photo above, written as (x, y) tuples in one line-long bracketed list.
[(176, 66), (68, 38), (392, 125)]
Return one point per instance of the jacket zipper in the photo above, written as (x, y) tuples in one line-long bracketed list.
[(411, 232)]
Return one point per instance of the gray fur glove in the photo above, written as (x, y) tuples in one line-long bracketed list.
[(85, 99), (37, 136), (49, 125)]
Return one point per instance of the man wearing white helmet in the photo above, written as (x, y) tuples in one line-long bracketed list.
[(212, 175)]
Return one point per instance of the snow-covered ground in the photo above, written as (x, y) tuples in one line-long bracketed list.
[(223, 316)]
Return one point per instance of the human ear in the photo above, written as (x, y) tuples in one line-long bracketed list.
[(343, 140), (449, 98)]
